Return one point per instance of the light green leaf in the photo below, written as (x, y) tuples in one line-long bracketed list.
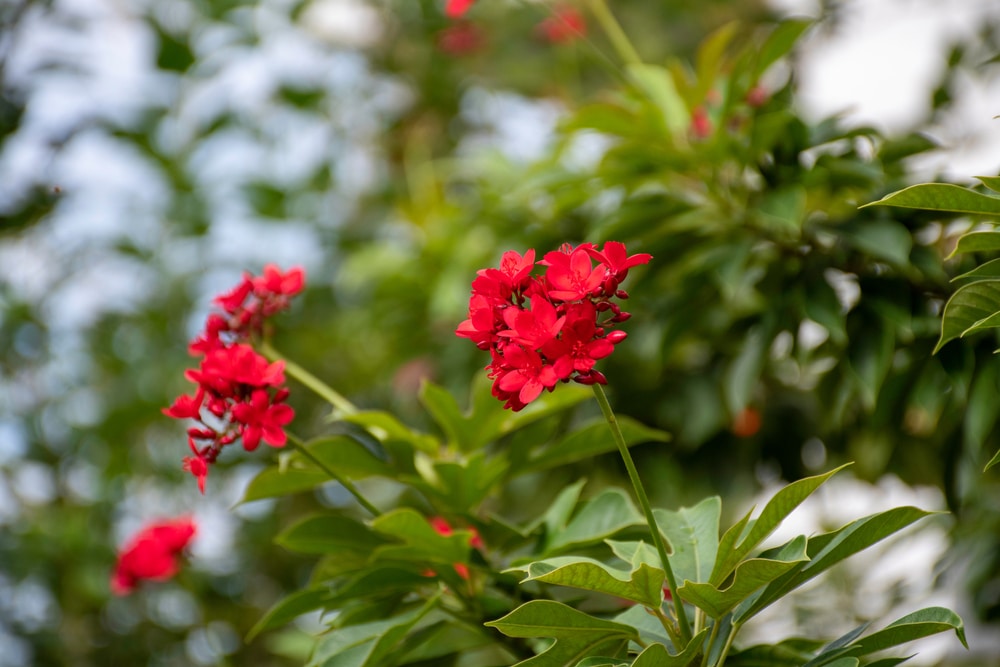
[(578, 635), (557, 515), (785, 208), (635, 553), (644, 584), (444, 408), (591, 440), (941, 197), (828, 549), (385, 427), (779, 507), (657, 84), (289, 608), (993, 461), (749, 576), (693, 534), (969, 305), (606, 514), (710, 57), (327, 534)]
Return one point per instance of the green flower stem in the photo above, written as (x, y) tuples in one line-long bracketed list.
[(640, 493), (346, 483), (668, 625), (323, 390), (614, 31)]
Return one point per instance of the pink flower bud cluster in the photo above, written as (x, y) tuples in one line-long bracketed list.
[(239, 393), (542, 330)]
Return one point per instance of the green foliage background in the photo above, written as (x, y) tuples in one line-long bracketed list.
[(378, 166)]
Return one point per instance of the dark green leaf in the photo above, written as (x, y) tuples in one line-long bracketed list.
[(977, 242), (968, 306), (990, 269), (327, 533), (589, 441)]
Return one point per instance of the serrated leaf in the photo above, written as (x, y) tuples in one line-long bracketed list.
[(828, 549), (607, 513), (328, 534), (941, 197), (976, 242), (749, 576), (578, 635), (591, 440), (969, 305), (780, 506), (693, 534), (644, 584)]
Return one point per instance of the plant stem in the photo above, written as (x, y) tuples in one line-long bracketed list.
[(667, 624), (729, 644), (640, 493), (614, 31), (711, 640), (346, 483), (322, 389)]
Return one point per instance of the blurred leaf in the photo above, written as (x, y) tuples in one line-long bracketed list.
[(870, 358), (328, 534), (385, 426), (787, 653), (967, 308), (658, 86), (778, 44), (885, 239), (744, 372), (992, 182), (576, 633), (941, 197), (693, 535), (420, 541), (591, 440)]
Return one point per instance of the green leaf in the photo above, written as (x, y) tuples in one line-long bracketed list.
[(657, 655), (464, 484), (990, 269), (578, 635), (606, 514), (557, 515), (820, 304), (788, 653), (743, 374), (693, 534), (778, 44), (290, 608), (732, 549), (366, 644), (870, 358), (967, 307), (420, 542), (993, 461), (602, 661), (385, 427), (784, 208), (644, 584), (941, 197), (591, 440), (976, 242), (649, 628), (658, 86), (887, 240), (992, 182), (710, 56), (826, 550), (327, 534), (917, 625), (749, 576), (444, 408), (298, 474)]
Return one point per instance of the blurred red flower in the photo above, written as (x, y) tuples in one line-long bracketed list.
[(152, 554)]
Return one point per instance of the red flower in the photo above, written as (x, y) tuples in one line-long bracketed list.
[(456, 8), (565, 25), (701, 124), (152, 554), (263, 419), (275, 283), (223, 369), (559, 338), (186, 407)]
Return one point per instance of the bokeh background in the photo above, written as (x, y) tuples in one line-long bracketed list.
[(152, 151)]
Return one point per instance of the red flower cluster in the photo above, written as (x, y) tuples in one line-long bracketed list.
[(152, 554), (566, 24), (443, 528), (239, 392), (542, 330)]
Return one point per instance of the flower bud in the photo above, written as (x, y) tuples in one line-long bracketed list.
[(617, 336)]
